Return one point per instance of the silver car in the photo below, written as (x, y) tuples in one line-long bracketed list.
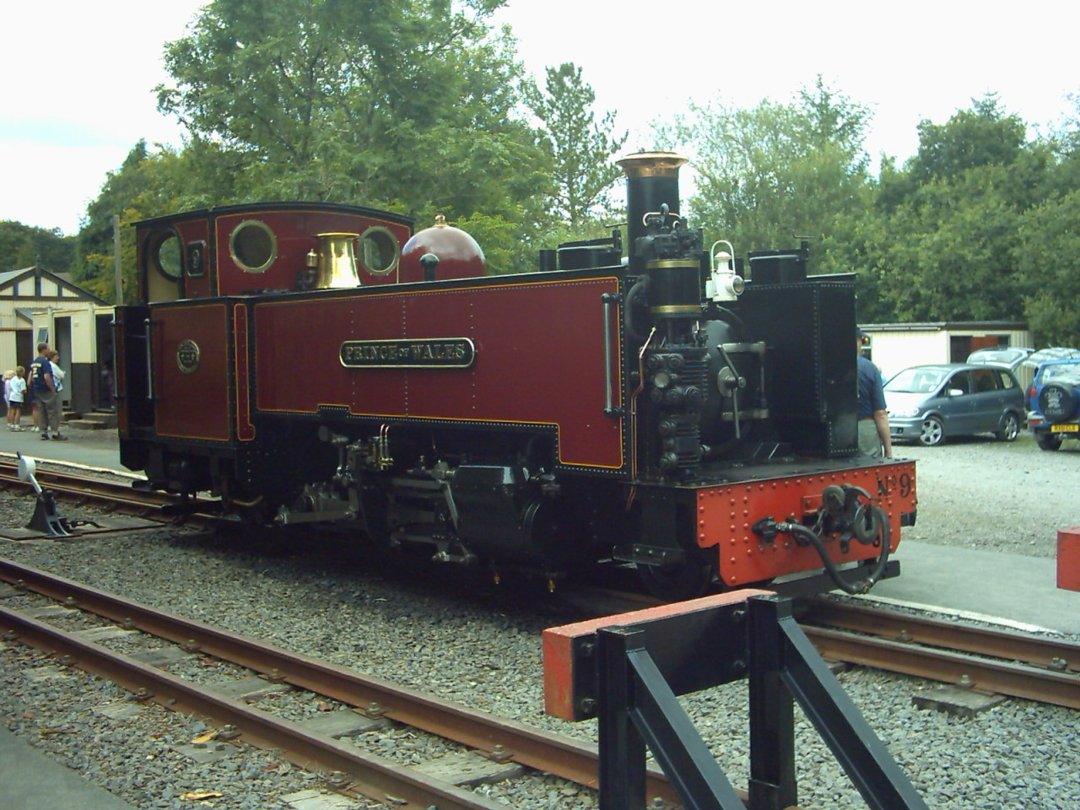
[(930, 403)]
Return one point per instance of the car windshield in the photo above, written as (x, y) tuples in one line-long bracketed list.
[(1064, 373), (1003, 356), (917, 380)]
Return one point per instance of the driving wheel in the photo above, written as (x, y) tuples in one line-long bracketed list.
[(673, 583)]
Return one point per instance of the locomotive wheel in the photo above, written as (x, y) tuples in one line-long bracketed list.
[(933, 432), (1047, 441), (1010, 428), (673, 583)]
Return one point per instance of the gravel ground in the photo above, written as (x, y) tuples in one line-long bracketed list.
[(997, 496), (466, 640)]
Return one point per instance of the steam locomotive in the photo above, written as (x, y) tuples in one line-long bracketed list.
[(310, 363)]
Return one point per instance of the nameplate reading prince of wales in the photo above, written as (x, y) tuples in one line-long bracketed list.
[(426, 353)]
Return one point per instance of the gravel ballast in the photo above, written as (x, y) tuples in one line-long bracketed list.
[(455, 635)]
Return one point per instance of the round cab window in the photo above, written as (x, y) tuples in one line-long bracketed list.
[(167, 258), (252, 246), (379, 251)]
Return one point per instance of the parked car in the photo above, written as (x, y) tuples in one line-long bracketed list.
[(1055, 403), (930, 403), (1007, 356), (1011, 357), (1030, 368)]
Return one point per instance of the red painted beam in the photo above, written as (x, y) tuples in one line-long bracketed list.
[(561, 664)]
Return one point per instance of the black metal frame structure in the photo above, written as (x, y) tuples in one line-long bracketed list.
[(638, 708)]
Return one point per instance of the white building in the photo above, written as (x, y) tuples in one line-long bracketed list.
[(37, 305), (895, 346)]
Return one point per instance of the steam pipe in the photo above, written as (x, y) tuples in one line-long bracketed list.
[(802, 533)]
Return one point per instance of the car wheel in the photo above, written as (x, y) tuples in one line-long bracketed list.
[(1010, 428), (933, 432), (1047, 441)]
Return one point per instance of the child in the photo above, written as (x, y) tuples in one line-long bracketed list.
[(15, 388)]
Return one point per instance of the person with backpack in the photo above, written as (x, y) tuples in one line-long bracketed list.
[(44, 387)]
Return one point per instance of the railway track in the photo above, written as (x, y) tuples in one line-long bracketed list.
[(104, 493), (993, 660), (498, 741), (1005, 662)]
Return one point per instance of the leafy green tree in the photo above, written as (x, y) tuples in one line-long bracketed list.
[(982, 136), (24, 246), (404, 104), (770, 174), (949, 249), (1050, 245), (148, 184), (579, 147)]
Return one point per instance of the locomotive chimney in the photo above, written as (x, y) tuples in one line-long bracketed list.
[(652, 180)]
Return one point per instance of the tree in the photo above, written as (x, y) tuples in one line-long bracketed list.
[(777, 171), (407, 105), (1050, 245), (981, 136), (948, 245), (24, 246), (148, 184), (951, 251), (579, 147)]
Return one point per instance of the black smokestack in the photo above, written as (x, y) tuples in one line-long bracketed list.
[(652, 179)]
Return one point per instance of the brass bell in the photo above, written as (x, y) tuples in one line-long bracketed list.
[(337, 261)]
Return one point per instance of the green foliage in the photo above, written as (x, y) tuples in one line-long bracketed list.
[(951, 251), (971, 139), (952, 217), (579, 148), (148, 185), (951, 235), (777, 171), (1049, 242), (404, 105), (23, 246), (414, 106)]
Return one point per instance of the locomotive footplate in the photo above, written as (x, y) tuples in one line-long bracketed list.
[(755, 529), (727, 515)]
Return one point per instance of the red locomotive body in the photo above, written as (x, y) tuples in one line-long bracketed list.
[(297, 362)]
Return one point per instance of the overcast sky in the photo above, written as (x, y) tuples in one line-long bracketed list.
[(78, 76)]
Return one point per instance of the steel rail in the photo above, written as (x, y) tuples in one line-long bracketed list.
[(1002, 677), (562, 756), (372, 776), (1053, 653), (150, 504), (82, 486)]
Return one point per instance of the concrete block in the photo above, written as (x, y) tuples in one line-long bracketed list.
[(956, 701)]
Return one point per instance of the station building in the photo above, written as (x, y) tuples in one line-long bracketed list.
[(38, 305)]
